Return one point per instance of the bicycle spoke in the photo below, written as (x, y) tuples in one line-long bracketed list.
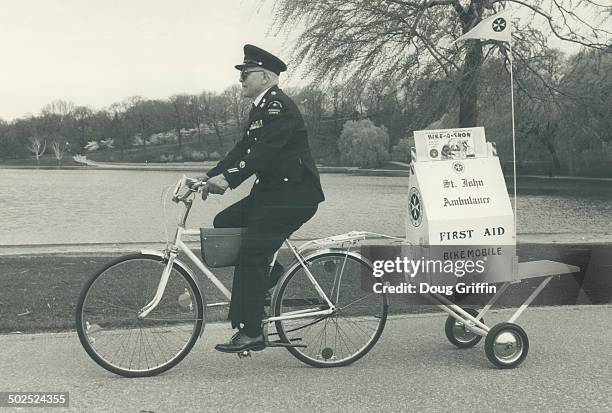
[(354, 326), (356, 301), (357, 328), (124, 343), (340, 331)]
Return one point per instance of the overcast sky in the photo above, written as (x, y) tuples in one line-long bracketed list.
[(96, 52), (99, 52)]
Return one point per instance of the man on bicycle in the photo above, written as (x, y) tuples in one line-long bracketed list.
[(285, 195)]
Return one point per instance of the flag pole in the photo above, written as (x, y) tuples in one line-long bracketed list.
[(513, 137)]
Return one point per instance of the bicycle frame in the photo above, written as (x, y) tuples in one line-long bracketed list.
[(171, 252)]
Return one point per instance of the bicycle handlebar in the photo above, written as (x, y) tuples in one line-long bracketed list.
[(192, 185)]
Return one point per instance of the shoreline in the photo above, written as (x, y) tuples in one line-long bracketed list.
[(40, 292), (350, 170)]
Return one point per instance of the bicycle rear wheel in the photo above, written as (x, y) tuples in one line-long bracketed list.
[(107, 316), (351, 330)]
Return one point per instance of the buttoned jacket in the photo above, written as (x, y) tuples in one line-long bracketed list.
[(274, 147)]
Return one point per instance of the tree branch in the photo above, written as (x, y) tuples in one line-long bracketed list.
[(551, 24)]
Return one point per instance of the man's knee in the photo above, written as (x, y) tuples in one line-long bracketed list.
[(221, 221), (227, 219), (234, 216)]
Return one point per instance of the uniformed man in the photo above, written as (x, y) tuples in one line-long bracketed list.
[(285, 195)]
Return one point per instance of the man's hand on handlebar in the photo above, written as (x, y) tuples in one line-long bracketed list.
[(204, 191), (217, 184), (202, 178), (205, 185)]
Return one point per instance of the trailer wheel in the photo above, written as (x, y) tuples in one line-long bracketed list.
[(506, 345), (460, 336)]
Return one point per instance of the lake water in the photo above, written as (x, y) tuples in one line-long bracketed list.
[(106, 206)]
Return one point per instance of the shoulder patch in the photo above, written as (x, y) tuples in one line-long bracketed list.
[(274, 107)]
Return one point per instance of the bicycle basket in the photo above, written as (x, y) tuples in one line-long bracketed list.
[(220, 245)]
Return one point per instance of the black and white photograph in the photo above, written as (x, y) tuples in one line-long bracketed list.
[(306, 205)]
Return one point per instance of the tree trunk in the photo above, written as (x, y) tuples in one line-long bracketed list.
[(468, 88), (179, 137), (218, 133), (335, 120), (547, 135), (124, 140), (83, 137)]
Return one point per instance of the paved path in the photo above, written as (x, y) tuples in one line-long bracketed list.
[(412, 368)]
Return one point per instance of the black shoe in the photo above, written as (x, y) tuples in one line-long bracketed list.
[(241, 342)]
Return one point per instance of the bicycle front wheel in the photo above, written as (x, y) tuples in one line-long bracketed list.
[(351, 330), (116, 338)]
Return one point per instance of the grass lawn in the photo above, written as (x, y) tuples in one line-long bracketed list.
[(45, 161), (40, 293)]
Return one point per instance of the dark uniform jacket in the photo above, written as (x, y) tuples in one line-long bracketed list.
[(275, 148)]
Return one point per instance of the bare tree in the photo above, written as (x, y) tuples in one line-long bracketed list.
[(59, 148), (238, 107), (313, 101), (57, 117), (195, 112), (117, 128), (82, 117), (215, 110), (180, 104), (37, 146), (397, 39), (136, 114)]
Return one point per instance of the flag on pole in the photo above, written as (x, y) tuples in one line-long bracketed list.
[(496, 27)]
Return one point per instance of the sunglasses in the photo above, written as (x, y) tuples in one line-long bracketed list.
[(244, 74)]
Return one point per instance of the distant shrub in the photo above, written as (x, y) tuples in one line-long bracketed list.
[(92, 146), (197, 156), (168, 137), (154, 139), (185, 156), (401, 151), (166, 157), (162, 138), (214, 156), (107, 143), (363, 144), (188, 132), (137, 140)]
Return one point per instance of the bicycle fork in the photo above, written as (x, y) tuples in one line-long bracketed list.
[(171, 254), (161, 287)]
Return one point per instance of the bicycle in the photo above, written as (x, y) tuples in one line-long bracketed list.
[(142, 313)]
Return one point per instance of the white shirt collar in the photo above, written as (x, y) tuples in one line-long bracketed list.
[(258, 99)]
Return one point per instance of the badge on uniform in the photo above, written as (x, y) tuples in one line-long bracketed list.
[(274, 107), (256, 125)]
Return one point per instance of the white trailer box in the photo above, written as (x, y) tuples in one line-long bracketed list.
[(458, 204)]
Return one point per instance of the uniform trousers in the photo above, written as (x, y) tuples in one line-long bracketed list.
[(270, 217)]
